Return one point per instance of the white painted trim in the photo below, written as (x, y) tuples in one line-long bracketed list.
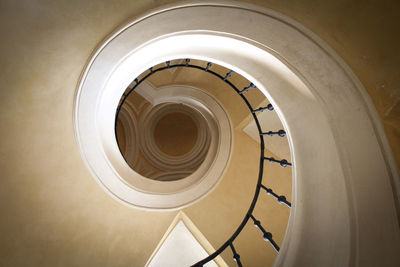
[(146, 90), (128, 120), (182, 217), (133, 189)]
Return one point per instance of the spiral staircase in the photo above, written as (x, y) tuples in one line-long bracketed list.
[(283, 157), (297, 82)]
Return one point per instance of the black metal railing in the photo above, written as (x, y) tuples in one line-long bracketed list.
[(267, 236)]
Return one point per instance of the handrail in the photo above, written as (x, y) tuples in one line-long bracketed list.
[(283, 163)]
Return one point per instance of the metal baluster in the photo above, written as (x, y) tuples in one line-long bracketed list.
[(229, 74), (236, 256), (268, 107), (281, 133), (208, 66), (251, 86), (284, 163), (266, 235), (281, 199)]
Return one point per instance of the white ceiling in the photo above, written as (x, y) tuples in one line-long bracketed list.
[(180, 248)]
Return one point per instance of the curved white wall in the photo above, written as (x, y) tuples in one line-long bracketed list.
[(99, 148)]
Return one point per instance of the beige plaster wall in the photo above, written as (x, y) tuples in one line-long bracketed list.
[(53, 211), (365, 35)]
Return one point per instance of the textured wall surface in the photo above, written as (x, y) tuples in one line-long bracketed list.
[(53, 211)]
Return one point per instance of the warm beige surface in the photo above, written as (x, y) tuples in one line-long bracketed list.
[(53, 211), (175, 134), (138, 163)]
